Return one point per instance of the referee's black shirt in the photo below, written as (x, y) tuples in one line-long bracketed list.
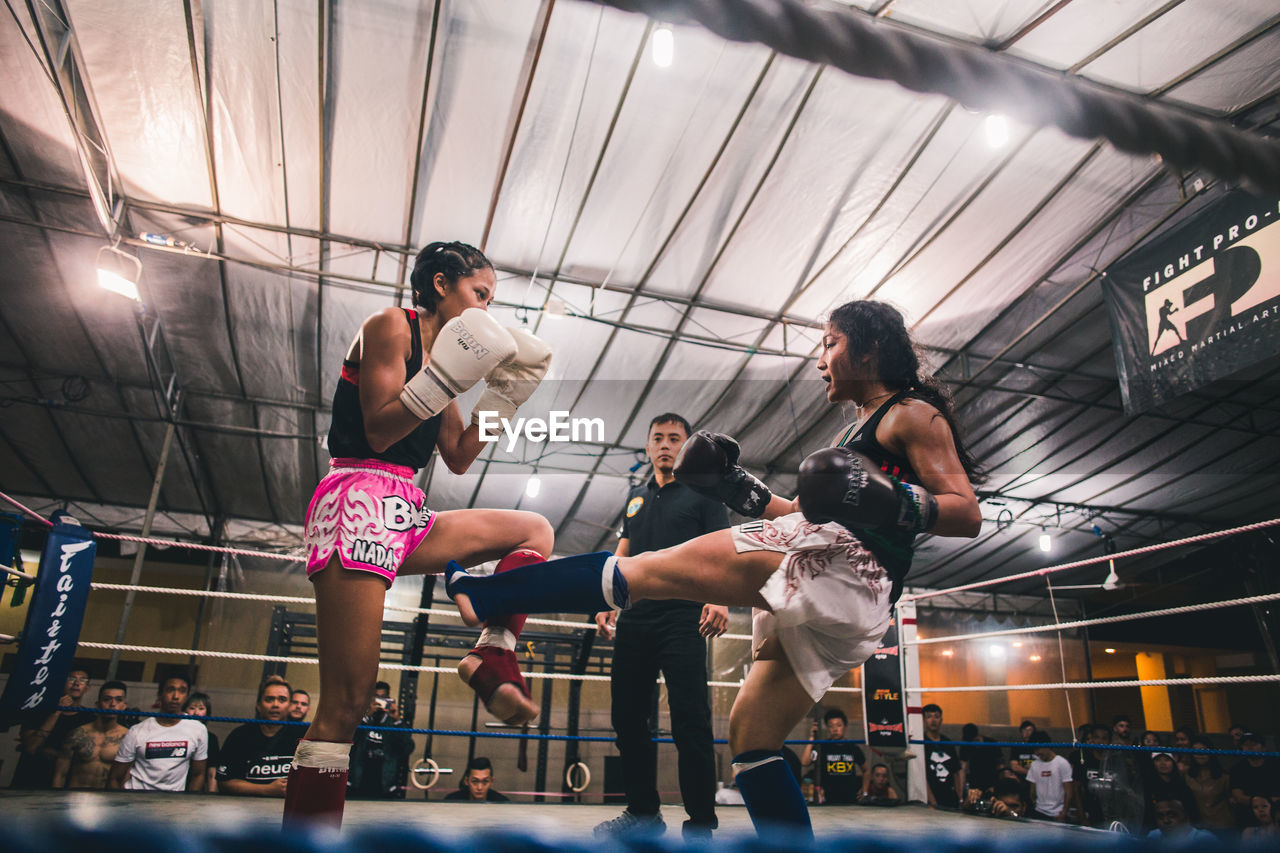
[(657, 518)]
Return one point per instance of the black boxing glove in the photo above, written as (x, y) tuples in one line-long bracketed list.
[(841, 485), (708, 464)]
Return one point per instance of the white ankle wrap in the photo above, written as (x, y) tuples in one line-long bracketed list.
[(498, 636), (322, 754)]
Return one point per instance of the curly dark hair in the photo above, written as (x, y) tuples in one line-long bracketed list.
[(876, 326), (454, 260)]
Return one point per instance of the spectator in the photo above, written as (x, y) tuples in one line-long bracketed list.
[(878, 789), (1237, 732), (299, 705), (1166, 784), (43, 733), (1182, 738), (1122, 730), (1094, 781), (382, 690), (1021, 757), (1150, 739), (163, 754), (1264, 823), (1210, 786), (943, 768), (1005, 799), (84, 761), (981, 763), (377, 756), (1052, 787), (1252, 776), (256, 759), (1172, 824), (841, 766), (200, 705), (477, 784)]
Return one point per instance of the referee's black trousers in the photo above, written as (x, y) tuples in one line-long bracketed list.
[(642, 648)]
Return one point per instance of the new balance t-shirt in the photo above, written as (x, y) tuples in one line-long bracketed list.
[(162, 755)]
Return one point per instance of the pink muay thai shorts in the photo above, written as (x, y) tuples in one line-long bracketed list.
[(371, 513)]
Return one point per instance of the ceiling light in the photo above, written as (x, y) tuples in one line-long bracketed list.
[(996, 651), (997, 129), (1035, 658), (946, 653), (1046, 542), (1017, 645), (1110, 651), (119, 272), (664, 46), (532, 487)]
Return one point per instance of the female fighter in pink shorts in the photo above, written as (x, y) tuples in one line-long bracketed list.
[(394, 405)]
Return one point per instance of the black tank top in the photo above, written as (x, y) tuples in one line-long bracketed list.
[(346, 432), (892, 547)]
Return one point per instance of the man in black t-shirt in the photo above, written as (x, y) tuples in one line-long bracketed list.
[(667, 637), (981, 763), (841, 766), (942, 765), (1252, 776), (255, 759), (43, 733), (378, 757), (477, 784)]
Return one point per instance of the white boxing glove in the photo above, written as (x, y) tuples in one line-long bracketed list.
[(513, 382), (468, 346)]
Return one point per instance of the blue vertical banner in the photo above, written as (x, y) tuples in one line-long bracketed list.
[(54, 617)]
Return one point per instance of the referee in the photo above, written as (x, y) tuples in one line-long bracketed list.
[(667, 637)]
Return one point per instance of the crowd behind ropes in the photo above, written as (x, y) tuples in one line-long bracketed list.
[(1168, 784), (123, 747)]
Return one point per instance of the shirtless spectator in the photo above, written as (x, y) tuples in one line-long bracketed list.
[(84, 760)]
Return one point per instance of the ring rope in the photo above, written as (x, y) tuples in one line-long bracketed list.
[(1147, 549), (1089, 685), (396, 667), (22, 576), (1102, 620), (980, 78), (303, 599), (586, 777)]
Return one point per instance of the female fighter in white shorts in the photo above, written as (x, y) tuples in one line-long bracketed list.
[(393, 407), (822, 570)]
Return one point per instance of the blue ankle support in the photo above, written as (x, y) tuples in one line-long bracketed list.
[(771, 792), (585, 583)]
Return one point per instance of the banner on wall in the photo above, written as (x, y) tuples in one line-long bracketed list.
[(883, 704), (1198, 304), (54, 617)]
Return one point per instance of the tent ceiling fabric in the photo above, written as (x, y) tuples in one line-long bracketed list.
[(685, 229)]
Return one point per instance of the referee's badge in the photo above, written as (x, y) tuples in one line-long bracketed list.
[(633, 506)]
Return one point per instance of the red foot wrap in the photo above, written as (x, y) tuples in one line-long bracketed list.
[(498, 667)]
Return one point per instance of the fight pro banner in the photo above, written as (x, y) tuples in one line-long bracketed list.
[(1200, 303), (54, 617), (882, 704)]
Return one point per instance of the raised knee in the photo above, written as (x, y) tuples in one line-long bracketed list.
[(539, 535)]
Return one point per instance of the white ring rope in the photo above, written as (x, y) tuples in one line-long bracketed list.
[(303, 599), (1147, 549), (396, 667), (1102, 620), (22, 576), (1089, 685)]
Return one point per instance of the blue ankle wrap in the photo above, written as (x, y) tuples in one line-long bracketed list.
[(585, 583), (771, 792)]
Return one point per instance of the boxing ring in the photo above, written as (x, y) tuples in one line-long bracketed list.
[(55, 820), (131, 818)]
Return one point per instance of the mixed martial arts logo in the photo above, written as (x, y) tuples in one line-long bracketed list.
[(1208, 292)]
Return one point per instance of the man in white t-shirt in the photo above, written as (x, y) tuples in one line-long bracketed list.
[(1051, 781), (163, 753)]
